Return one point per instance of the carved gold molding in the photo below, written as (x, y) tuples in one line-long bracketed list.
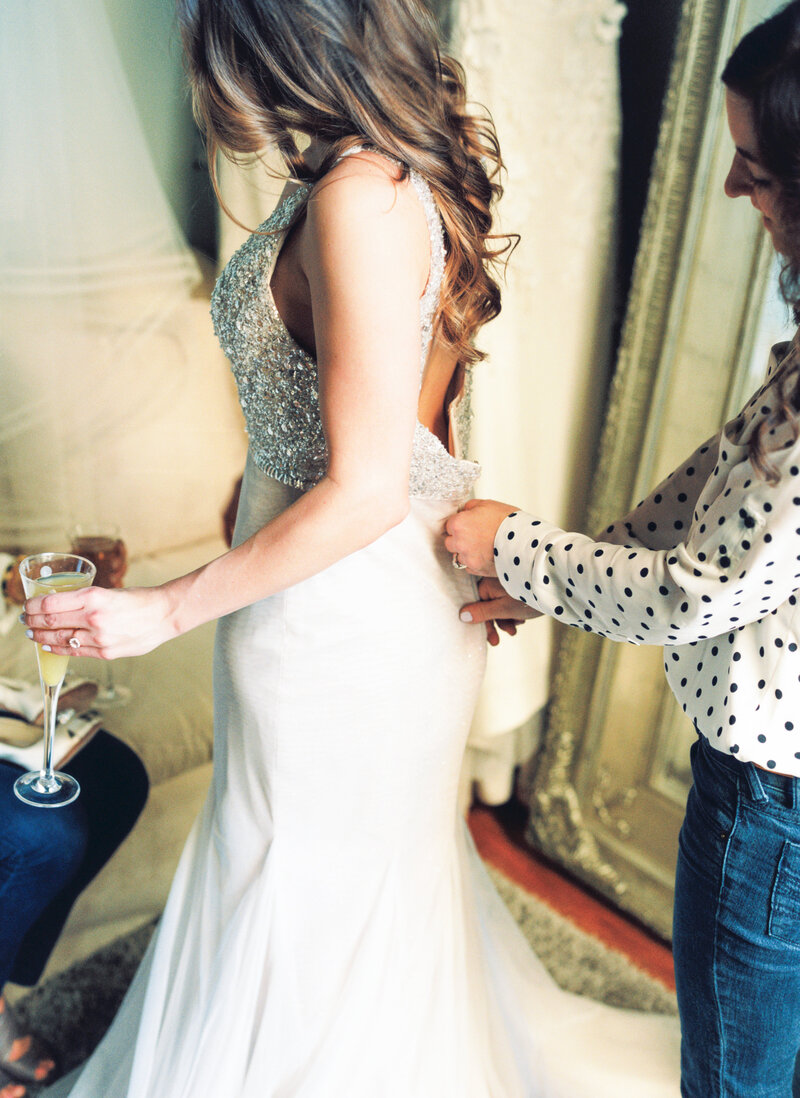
[(676, 217)]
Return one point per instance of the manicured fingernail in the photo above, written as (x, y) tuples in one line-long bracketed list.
[(29, 633), (46, 648), (21, 618), (465, 615)]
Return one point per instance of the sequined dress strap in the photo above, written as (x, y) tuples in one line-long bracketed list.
[(278, 381)]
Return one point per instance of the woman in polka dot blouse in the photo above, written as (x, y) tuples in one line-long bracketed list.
[(709, 566)]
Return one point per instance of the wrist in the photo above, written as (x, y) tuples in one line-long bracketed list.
[(504, 537), (177, 606)]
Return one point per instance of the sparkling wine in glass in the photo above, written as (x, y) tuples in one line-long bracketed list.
[(106, 550), (42, 575)]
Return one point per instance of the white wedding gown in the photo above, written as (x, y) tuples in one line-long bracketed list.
[(331, 932)]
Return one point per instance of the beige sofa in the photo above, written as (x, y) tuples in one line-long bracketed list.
[(164, 478)]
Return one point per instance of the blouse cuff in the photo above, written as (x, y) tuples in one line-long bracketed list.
[(520, 540)]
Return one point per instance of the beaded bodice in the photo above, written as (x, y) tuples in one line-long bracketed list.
[(278, 382)]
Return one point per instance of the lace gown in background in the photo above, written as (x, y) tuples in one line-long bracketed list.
[(331, 932)]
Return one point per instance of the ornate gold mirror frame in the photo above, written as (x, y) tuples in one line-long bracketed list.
[(611, 782)]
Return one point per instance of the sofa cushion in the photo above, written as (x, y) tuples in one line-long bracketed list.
[(148, 436)]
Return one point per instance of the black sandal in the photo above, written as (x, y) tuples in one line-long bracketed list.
[(36, 1065)]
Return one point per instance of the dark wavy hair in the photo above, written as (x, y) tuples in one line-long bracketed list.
[(765, 69), (356, 72)]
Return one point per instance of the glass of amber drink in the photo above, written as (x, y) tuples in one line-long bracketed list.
[(105, 548)]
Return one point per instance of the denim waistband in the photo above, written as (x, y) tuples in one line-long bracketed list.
[(759, 782)]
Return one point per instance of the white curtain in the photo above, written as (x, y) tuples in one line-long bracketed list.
[(548, 72), (109, 369)]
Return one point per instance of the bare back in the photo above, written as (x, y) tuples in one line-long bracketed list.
[(442, 378)]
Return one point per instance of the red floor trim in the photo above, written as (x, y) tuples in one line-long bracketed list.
[(507, 853)]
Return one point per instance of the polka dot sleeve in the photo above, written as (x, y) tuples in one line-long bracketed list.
[(659, 520), (738, 560)]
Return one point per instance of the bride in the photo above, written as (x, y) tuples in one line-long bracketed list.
[(330, 932)]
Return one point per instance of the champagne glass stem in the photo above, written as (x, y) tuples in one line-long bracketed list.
[(112, 694), (50, 694)]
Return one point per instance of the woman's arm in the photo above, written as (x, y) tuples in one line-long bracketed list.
[(739, 561), (655, 523), (365, 254), (662, 518)]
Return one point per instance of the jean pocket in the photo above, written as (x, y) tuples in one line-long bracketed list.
[(784, 913)]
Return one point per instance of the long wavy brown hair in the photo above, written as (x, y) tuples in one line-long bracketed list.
[(357, 72), (765, 69)]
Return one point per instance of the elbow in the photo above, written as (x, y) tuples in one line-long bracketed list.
[(373, 504), (375, 512), (394, 511)]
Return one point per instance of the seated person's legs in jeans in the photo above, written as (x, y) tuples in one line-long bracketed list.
[(40, 850), (48, 856), (114, 789)]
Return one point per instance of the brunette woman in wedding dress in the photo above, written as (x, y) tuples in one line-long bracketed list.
[(331, 932)]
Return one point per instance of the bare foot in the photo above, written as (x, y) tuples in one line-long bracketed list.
[(13, 1090), (44, 1069), (19, 1048), (10, 1090)]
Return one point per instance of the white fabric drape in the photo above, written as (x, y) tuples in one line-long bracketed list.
[(108, 365), (548, 72)]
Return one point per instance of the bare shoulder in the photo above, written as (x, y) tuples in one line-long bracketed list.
[(366, 178), (367, 196)]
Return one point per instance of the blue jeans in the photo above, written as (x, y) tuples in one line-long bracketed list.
[(48, 856), (736, 935)]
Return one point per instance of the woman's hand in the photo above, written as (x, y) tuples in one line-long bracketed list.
[(498, 610), (470, 534), (106, 623)]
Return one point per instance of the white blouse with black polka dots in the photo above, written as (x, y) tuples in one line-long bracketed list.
[(709, 566)]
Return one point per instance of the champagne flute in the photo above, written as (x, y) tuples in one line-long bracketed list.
[(104, 547), (42, 575)]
